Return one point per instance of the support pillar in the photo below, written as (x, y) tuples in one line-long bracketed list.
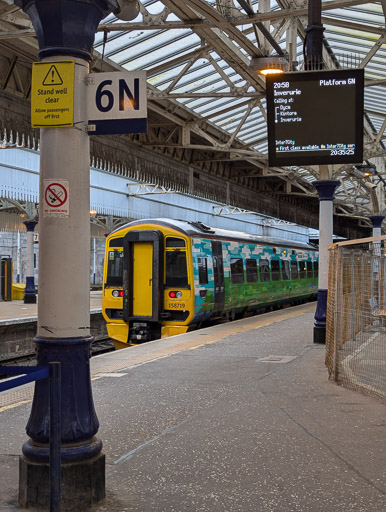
[(376, 221), (325, 189), (314, 36), (30, 291), (65, 30)]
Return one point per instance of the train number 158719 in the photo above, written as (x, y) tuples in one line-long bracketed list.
[(175, 305)]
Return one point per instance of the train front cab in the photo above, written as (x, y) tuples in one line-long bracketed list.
[(155, 298)]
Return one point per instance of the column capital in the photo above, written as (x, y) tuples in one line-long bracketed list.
[(376, 220), (30, 224), (326, 189), (66, 27)]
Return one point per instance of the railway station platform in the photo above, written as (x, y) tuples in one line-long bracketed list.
[(239, 417), (18, 322), (16, 311)]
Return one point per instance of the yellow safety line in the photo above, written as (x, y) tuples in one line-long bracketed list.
[(6, 407), (259, 322)]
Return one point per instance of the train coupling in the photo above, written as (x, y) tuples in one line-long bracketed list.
[(139, 331)]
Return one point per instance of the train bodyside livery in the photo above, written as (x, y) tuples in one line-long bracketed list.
[(164, 277)]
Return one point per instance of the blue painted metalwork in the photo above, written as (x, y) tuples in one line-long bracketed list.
[(321, 309), (37, 373), (80, 422), (30, 374), (65, 27), (326, 189), (55, 435), (377, 220)]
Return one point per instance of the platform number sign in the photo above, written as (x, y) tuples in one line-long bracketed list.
[(116, 103)]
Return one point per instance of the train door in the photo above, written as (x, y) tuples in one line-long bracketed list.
[(142, 276), (218, 273)]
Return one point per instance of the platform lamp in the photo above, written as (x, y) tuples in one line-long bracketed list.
[(65, 30), (275, 64)]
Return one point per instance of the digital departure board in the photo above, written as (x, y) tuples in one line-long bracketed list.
[(315, 117)]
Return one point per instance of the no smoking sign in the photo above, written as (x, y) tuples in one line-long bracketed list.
[(56, 200)]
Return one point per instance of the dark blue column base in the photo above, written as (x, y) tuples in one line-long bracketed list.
[(30, 291), (320, 334), (82, 484), (320, 317), (69, 453), (79, 422)]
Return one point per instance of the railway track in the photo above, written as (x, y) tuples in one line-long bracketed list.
[(100, 346)]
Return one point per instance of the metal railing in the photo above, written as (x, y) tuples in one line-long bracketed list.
[(31, 374)]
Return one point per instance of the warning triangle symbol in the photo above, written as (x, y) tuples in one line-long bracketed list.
[(53, 77)]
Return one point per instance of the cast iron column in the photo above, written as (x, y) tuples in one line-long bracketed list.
[(376, 221), (65, 30), (30, 292), (314, 36), (326, 189)]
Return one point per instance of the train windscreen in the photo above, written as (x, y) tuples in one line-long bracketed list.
[(115, 268), (176, 270)]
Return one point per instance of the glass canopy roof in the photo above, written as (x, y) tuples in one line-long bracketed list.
[(199, 57)]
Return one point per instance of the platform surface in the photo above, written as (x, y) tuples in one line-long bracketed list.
[(239, 417), (15, 310)]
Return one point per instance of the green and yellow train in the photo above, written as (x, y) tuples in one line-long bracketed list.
[(164, 277)]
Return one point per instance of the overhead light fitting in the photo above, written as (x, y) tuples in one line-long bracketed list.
[(269, 65), (126, 10), (367, 169)]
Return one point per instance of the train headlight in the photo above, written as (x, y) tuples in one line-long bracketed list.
[(117, 293), (175, 295)]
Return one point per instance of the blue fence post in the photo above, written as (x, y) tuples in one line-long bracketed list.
[(32, 374), (55, 435)]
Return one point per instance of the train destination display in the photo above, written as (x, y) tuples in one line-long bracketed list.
[(315, 117)]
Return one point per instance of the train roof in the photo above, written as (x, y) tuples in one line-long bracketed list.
[(193, 229)]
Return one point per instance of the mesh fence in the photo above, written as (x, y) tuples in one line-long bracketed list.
[(356, 315)]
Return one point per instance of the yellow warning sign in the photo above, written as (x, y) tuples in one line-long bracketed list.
[(52, 94), (53, 77)]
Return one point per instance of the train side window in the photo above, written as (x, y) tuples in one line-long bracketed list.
[(251, 268), (285, 271), (275, 268), (202, 270), (294, 270), (316, 268), (237, 271), (115, 268), (302, 269), (264, 271), (174, 242), (176, 270), (310, 272)]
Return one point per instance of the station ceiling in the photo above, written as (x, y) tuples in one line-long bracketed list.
[(206, 102)]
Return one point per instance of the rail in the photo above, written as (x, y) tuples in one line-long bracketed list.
[(31, 374)]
